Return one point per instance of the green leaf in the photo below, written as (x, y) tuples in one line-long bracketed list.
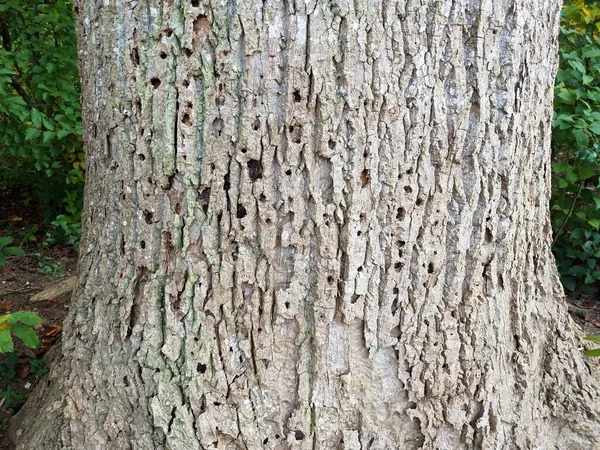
[(595, 352), (25, 317), (594, 223), (593, 338), (585, 172), (48, 124), (32, 133), (566, 95), (15, 251), (36, 118), (577, 65), (6, 342), (594, 127), (5, 240), (27, 335), (48, 136)]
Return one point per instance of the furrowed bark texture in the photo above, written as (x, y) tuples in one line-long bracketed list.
[(318, 225)]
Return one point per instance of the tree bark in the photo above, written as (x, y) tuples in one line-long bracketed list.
[(317, 225)]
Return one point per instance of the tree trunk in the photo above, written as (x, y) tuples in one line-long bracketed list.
[(317, 225)]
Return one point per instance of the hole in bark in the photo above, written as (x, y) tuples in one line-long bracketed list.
[(163, 55), (401, 244), (203, 199), (288, 172), (299, 435), (394, 307), (330, 279), (398, 266), (135, 56), (453, 314), (360, 269), (155, 82), (148, 216), (409, 172), (488, 235), (276, 436), (365, 177), (143, 244), (259, 329), (444, 366), (195, 3), (426, 322), (186, 119), (187, 52), (354, 299), (262, 198), (126, 381), (141, 157), (419, 201), (268, 221), (185, 83), (430, 268), (255, 169), (244, 150), (401, 213), (241, 211), (358, 233), (411, 405), (217, 126), (256, 124), (287, 305), (226, 183), (297, 96), (365, 154), (177, 208), (295, 133), (220, 101), (331, 144), (216, 403), (265, 441), (201, 368), (168, 32), (407, 189)]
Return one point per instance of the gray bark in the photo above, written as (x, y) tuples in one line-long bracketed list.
[(317, 225)]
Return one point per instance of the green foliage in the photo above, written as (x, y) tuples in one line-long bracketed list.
[(11, 398), (595, 351), (19, 324), (40, 116), (38, 367), (48, 268), (6, 249), (576, 148)]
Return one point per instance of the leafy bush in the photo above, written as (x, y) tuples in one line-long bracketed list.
[(41, 152), (7, 249), (576, 148), (19, 324)]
